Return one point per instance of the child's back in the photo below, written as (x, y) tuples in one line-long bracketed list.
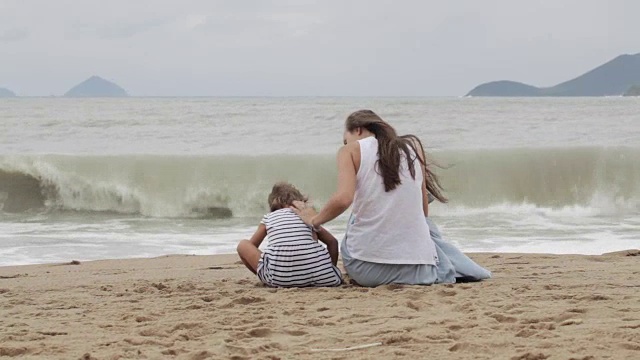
[(293, 258)]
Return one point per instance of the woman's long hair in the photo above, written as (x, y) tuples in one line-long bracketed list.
[(389, 147)]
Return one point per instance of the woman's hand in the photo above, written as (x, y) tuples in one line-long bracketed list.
[(305, 211)]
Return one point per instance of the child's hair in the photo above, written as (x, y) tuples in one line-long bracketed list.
[(283, 195)]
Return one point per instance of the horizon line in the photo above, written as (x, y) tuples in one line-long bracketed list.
[(229, 96)]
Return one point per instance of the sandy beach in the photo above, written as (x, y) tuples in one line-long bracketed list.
[(209, 307)]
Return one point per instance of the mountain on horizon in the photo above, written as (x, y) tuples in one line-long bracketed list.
[(96, 86), (6, 93), (613, 78)]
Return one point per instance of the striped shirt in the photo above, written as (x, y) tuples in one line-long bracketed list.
[(292, 257)]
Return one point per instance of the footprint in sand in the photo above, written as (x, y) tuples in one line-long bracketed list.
[(52, 333), (13, 352), (630, 346), (260, 332), (577, 310), (630, 326), (172, 352), (187, 326), (445, 292), (463, 347), (160, 286), (143, 319), (153, 332), (560, 318), (394, 287), (525, 333), (317, 322), (531, 356), (413, 306), (398, 339), (503, 319), (296, 332), (202, 355), (246, 300), (552, 287), (270, 347), (186, 287), (543, 326)]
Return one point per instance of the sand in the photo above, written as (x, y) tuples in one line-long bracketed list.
[(210, 307)]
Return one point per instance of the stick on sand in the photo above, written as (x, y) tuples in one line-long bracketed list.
[(349, 348)]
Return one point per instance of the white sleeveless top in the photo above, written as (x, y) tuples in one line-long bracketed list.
[(388, 227)]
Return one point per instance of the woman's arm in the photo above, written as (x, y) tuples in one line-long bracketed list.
[(343, 197)]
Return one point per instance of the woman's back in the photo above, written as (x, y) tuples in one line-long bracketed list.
[(388, 227)]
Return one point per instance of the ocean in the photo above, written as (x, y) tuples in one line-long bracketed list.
[(86, 179)]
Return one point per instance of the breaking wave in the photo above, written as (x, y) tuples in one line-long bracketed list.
[(590, 180)]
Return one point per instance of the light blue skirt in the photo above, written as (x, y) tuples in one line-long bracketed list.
[(452, 264)]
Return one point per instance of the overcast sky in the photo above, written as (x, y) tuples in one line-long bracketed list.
[(299, 47)]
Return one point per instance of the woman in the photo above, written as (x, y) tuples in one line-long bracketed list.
[(386, 179)]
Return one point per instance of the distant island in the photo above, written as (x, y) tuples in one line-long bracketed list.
[(633, 91), (613, 78), (6, 93), (96, 86)]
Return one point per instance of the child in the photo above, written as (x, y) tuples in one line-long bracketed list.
[(293, 257)]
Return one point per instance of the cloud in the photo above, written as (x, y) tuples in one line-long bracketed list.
[(308, 47), (192, 21), (14, 34), (250, 29), (120, 29)]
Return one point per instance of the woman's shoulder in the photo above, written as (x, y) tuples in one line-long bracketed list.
[(369, 141), (352, 148)]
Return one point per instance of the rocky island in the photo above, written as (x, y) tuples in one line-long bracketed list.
[(613, 78), (6, 93), (96, 86)]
